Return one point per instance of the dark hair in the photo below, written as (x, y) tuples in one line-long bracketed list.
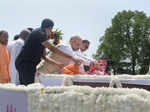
[(47, 23), (24, 34), (85, 41), (2, 35), (16, 37), (31, 29), (2, 31)]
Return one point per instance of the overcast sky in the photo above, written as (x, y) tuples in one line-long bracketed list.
[(87, 18)]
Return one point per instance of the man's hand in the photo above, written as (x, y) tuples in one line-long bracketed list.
[(51, 61), (78, 61), (92, 63)]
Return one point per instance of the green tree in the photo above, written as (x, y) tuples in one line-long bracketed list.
[(124, 44)]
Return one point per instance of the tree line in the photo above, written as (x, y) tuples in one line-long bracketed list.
[(124, 44)]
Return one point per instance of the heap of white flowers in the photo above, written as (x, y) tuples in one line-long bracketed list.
[(87, 99), (82, 98), (68, 98), (115, 82)]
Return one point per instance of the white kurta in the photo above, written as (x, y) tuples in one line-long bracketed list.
[(68, 50), (16, 47), (86, 60)]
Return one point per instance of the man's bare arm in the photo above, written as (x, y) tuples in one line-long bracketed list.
[(49, 60), (56, 50)]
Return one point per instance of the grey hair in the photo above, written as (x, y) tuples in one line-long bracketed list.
[(74, 37)]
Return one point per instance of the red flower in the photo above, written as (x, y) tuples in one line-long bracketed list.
[(52, 35)]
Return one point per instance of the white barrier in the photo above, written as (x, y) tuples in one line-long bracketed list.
[(13, 101), (20, 98), (58, 80), (51, 81), (136, 81)]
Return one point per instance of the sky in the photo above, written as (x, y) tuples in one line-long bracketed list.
[(86, 18)]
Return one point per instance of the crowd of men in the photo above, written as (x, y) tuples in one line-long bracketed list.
[(21, 59)]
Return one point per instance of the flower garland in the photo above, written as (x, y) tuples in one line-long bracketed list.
[(56, 36), (115, 82)]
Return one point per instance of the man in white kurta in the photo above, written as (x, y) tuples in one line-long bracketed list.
[(15, 48), (81, 55)]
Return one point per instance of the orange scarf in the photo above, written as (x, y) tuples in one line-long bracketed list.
[(4, 64), (71, 70)]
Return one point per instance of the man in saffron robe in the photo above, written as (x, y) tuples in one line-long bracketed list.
[(4, 58)]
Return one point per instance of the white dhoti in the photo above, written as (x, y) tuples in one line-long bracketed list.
[(15, 49)]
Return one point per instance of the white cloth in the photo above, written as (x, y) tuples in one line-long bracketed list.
[(9, 46), (83, 56), (86, 60), (68, 50), (14, 50)]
